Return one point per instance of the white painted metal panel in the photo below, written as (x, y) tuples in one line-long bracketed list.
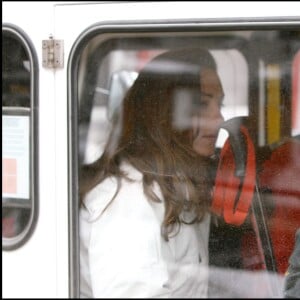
[(40, 268)]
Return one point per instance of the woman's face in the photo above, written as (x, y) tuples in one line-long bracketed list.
[(207, 119)]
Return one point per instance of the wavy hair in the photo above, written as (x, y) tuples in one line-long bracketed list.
[(151, 143)]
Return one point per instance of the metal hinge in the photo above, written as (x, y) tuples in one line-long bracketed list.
[(53, 53)]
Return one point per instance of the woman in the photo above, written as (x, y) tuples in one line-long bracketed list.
[(144, 219)]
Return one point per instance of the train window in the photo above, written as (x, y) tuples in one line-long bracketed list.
[(19, 138), (124, 66), (259, 73)]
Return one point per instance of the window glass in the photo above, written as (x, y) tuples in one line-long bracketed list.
[(18, 167), (296, 94), (254, 201)]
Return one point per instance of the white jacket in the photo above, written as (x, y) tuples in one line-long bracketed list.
[(122, 252)]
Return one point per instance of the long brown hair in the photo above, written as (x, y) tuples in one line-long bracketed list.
[(150, 142)]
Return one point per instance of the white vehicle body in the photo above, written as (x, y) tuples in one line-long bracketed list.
[(44, 266)]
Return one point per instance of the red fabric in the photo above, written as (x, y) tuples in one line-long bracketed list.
[(281, 174), (251, 254), (227, 185)]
